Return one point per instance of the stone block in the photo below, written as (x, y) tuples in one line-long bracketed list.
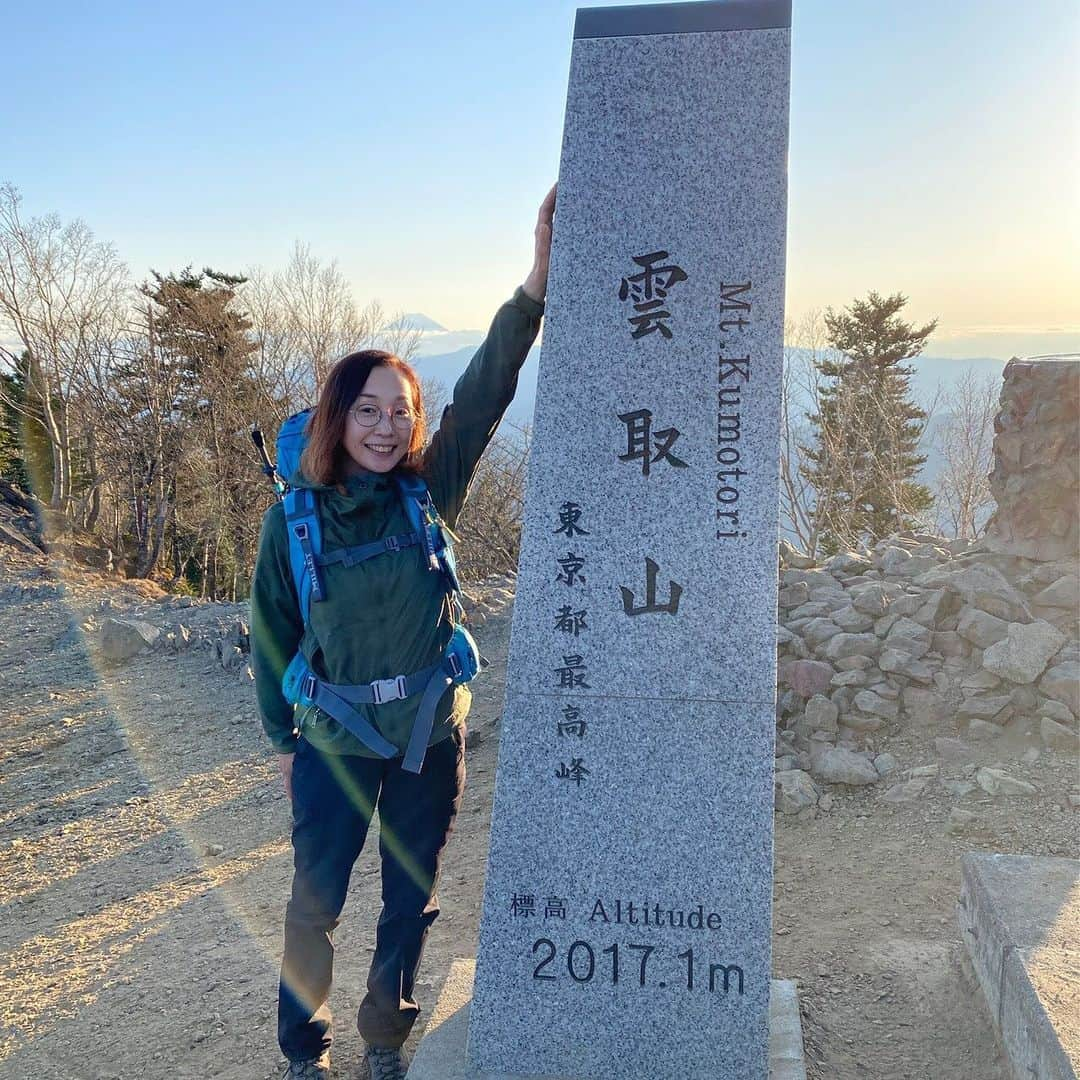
[(843, 645), (1019, 919)]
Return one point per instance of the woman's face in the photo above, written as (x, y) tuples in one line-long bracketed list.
[(379, 448)]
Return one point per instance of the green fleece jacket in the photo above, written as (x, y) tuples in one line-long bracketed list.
[(387, 616)]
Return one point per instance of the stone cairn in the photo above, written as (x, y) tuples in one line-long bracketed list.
[(977, 639), (1036, 475)]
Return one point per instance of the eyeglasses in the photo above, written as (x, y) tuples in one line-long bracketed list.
[(402, 416)]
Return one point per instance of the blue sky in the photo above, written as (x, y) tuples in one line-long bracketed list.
[(934, 147)]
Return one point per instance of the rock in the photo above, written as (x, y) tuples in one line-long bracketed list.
[(1024, 699), (121, 639), (910, 637), (793, 791), (885, 764), (852, 621), (791, 556), (232, 656), (937, 606), (821, 714), (985, 707), (785, 639), (854, 663), (1064, 593), (849, 678), (841, 698), (808, 677), (998, 782), (906, 605), (952, 749), (897, 662), (874, 704), (842, 766), (1030, 755), (981, 586), (874, 598), (825, 803), (215, 849), (841, 645), (948, 643), (798, 618), (926, 707), (900, 563), (1055, 710), (983, 730), (925, 770), (847, 562), (784, 762), (980, 628), (909, 791), (818, 631), (861, 722), (1062, 683), (1023, 655), (812, 579), (793, 595), (958, 788), (980, 680), (893, 558), (1055, 734)]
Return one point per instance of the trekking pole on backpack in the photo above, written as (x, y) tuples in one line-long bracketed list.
[(267, 465)]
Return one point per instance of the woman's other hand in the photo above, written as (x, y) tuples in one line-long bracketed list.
[(535, 285), (285, 762)]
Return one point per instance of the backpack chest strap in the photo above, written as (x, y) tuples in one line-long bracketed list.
[(350, 556)]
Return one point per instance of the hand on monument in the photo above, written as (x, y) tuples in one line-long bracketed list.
[(285, 763), (535, 285)]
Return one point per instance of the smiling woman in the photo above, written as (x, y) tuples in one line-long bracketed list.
[(360, 681), (370, 416)]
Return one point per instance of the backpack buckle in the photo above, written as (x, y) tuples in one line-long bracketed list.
[(300, 530), (392, 543), (309, 686), (384, 690)]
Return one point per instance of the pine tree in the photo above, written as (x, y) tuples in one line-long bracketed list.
[(201, 335), (864, 458), (26, 457)]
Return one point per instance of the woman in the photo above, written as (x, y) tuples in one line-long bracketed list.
[(380, 618)]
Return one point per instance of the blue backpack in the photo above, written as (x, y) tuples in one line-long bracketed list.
[(300, 685)]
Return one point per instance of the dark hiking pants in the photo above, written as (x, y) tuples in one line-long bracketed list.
[(334, 797)]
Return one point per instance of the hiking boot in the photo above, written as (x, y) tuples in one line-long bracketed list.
[(384, 1063), (310, 1069)]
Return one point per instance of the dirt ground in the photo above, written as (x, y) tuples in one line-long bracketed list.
[(144, 866)]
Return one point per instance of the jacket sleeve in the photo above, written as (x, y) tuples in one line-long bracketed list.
[(481, 396), (276, 629)]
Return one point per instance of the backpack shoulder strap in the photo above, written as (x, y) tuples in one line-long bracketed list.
[(305, 544), (424, 518)]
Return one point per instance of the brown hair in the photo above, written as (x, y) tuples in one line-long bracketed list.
[(323, 459)]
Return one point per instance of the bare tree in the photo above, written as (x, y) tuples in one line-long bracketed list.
[(489, 528), (804, 342), (965, 439), (63, 297)]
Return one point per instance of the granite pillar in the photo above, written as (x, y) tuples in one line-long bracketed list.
[(626, 925)]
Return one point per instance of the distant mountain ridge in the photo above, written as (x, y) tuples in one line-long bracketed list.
[(931, 373)]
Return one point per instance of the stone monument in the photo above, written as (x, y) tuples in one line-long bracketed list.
[(627, 908)]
